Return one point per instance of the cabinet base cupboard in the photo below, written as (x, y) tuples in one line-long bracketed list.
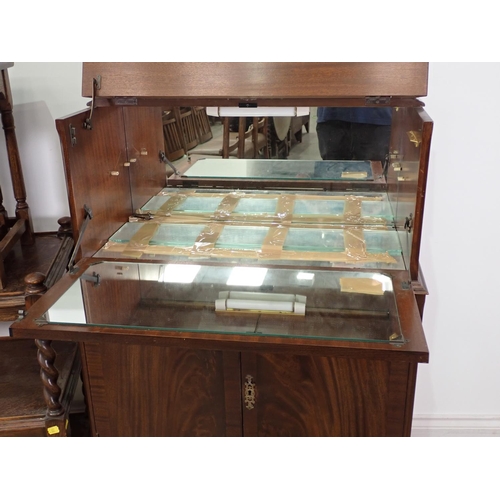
[(201, 392), (241, 297)]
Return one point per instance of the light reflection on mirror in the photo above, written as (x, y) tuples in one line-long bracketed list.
[(385, 280), (178, 273), (305, 276), (69, 308), (247, 276)]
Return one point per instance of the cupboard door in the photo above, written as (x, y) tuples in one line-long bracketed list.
[(292, 395), (146, 390), (96, 174)]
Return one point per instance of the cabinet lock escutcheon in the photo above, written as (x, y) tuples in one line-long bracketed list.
[(249, 393)]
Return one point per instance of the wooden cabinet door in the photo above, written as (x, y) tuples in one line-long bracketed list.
[(113, 169), (296, 395), (149, 390), (96, 175)]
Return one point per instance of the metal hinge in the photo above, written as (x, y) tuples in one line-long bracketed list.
[(88, 215), (378, 99), (409, 223), (72, 134), (125, 101), (96, 85), (141, 216), (397, 340), (95, 278), (41, 321), (415, 136), (164, 159)]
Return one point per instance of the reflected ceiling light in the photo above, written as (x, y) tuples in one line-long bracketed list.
[(385, 280), (305, 276), (258, 111), (247, 276), (178, 273)]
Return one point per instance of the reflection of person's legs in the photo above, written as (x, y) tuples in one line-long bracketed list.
[(371, 142), (334, 140)]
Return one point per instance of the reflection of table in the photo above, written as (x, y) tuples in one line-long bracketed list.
[(21, 227)]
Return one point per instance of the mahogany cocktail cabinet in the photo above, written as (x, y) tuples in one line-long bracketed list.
[(233, 296)]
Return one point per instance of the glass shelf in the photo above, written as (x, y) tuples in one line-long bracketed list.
[(345, 246), (237, 300), (366, 208)]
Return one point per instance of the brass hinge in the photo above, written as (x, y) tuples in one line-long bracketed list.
[(415, 137), (140, 216), (397, 339)]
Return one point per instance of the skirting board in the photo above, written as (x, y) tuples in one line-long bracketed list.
[(456, 426)]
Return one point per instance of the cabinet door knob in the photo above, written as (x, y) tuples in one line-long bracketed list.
[(249, 393)]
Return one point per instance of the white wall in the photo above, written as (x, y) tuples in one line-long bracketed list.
[(459, 250), (41, 93), (459, 239)]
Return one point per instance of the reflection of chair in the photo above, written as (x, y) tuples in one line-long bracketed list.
[(245, 143), (202, 124), (248, 142), (285, 132), (296, 127), (186, 127), (174, 147), (279, 136)]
